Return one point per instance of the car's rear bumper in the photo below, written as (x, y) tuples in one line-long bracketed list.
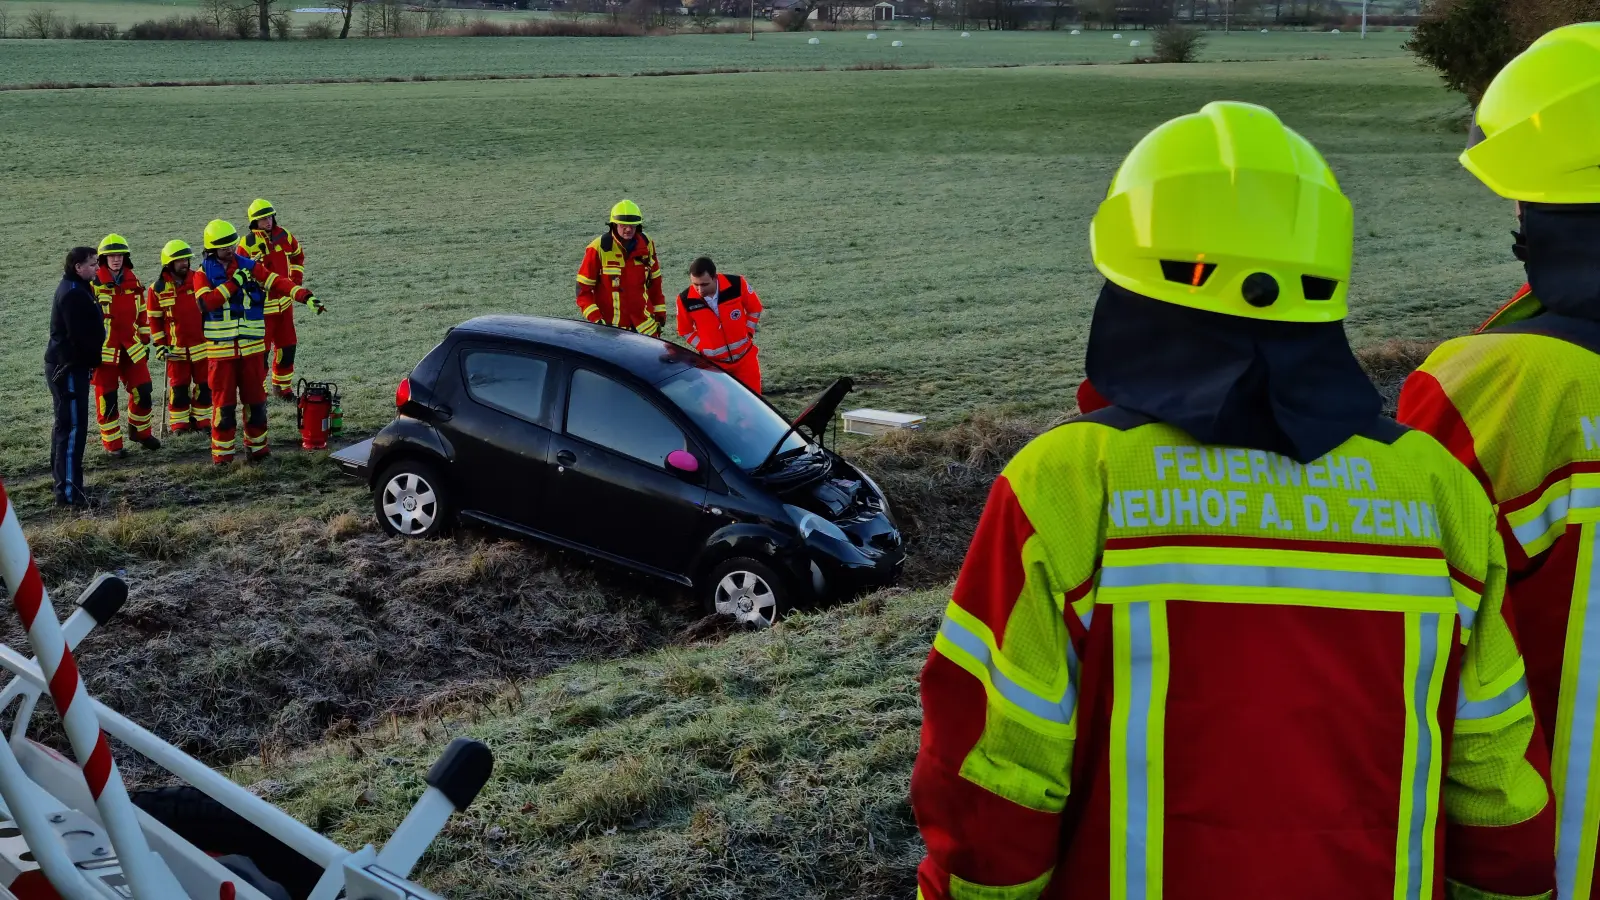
[(354, 460)]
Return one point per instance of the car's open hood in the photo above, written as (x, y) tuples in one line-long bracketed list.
[(813, 418)]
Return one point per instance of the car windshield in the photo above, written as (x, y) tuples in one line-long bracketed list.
[(737, 420)]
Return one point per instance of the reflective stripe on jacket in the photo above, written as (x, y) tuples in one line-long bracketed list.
[(726, 334), (279, 251), (620, 288), (1213, 672), (122, 308), (234, 317), (1519, 404), (175, 316)]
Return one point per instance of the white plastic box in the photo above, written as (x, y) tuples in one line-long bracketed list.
[(877, 421)]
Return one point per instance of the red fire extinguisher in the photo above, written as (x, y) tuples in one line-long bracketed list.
[(314, 412)]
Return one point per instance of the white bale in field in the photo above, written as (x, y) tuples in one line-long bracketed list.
[(966, 34), (1335, 31), (872, 37), (1133, 43), (1263, 31), (1076, 31), (814, 41), (898, 44), (1116, 37)]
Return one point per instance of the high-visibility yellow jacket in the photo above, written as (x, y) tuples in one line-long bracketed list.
[(1519, 404), (1181, 671)]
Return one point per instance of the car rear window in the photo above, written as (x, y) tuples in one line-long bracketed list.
[(614, 416), (510, 382), (426, 372)]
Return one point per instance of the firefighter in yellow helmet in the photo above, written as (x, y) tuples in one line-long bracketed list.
[(271, 244), (179, 340), (122, 357), (619, 280), (1236, 635), (1519, 403)]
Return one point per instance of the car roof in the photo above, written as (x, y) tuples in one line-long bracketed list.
[(647, 358)]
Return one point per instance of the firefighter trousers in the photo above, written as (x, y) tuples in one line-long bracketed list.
[(135, 377), (188, 395), (281, 343), (238, 380)]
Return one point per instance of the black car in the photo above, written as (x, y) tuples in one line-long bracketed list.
[(633, 450)]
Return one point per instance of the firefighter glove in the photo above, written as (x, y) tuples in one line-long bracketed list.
[(160, 352), (314, 303)]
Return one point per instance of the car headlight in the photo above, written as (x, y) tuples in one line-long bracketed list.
[(809, 522)]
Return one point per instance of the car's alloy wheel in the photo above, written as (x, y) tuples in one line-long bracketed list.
[(410, 504), (748, 597)]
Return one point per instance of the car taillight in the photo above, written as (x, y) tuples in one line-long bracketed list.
[(402, 393)]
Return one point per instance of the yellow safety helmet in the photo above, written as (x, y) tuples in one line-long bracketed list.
[(111, 244), (1536, 135), (626, 212), (1229, 211), (260, 210), (174, 251), (220, 235)]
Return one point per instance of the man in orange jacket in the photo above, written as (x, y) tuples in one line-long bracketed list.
[(619, 280), (122, 357), (718, 316), (176, 335), (1519, 403), (272, 245)]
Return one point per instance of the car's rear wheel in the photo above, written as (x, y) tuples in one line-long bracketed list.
[(411, 500), (748, 590)]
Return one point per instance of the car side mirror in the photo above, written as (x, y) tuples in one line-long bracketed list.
[(683, 462)]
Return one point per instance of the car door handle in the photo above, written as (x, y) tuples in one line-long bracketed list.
[(566, 458)]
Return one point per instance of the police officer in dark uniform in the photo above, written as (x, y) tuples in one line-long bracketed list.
[(76, 333)]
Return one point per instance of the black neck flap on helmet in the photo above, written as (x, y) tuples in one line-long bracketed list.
[(1560, 248), (1288, 387)]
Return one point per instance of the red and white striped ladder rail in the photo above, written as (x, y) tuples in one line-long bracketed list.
[(139, 866)]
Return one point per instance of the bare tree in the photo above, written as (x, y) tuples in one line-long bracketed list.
[(264, 18), (5, 23), (347, 9)]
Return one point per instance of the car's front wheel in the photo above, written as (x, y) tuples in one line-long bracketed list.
[(411, 500), (748, 590)]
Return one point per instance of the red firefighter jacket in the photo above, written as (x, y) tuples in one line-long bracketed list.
[(175, 318), (232, 291), (1519, 404), (122, 308), (280, 252), (1181, 672), (727, 334), (616, 287)]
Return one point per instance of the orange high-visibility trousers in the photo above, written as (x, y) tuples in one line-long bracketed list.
[(135, 376), (235, 380)]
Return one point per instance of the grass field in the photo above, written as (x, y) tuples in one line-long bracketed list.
[(127, 62), (923, 231)]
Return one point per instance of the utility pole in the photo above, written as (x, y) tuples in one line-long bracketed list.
[(752, 20), (1363, 19)]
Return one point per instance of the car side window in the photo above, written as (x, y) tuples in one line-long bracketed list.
[(614, 416), (510, 382)]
